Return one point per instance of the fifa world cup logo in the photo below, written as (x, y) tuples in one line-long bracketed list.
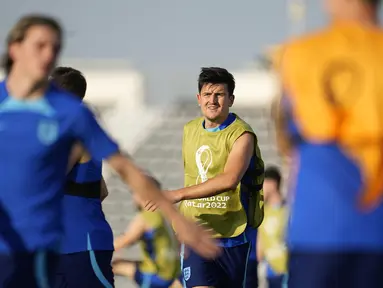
[(203, 159)]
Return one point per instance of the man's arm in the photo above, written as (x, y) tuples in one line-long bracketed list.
[(75, 155), (104, 190), (280, 117), (147, 191), (235, 167), (134, 233), (100, 146), (260, 255)]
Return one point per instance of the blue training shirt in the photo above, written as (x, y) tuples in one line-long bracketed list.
[(325, 216), (36, 139), (85, 226)]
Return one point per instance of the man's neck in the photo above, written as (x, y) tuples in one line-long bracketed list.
[(215, 123), (274, 200), (367, 16), (22, 87)]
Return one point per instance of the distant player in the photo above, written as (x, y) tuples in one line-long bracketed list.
[(39, 125), (332, 107), (223, 183), (160, 264), (87, 245), (271, 234)]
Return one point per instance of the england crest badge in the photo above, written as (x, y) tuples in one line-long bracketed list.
[(47, 131)]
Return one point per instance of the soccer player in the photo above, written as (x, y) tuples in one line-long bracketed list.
[(87, 245), (332, 106), (223, 182), (39, 124), (271, 234), (160, 265)]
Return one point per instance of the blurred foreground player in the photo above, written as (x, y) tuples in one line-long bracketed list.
[(223, 183), (159, 267), (86, 248), (334, 118), (39, 125)]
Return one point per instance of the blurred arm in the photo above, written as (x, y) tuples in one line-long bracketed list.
[(104, 190), (134, 233), (77, 152), (146, 189), (101, 146), (260, 255), (279, 117)]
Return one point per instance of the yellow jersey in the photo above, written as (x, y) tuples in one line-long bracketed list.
[(159, 248), (205, 154), (333, 84), (272, 238)]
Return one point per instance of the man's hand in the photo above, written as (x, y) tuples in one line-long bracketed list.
[(173, 196), (119, 243), (196, 237)]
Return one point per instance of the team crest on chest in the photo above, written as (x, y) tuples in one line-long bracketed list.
[(187, 273), (47, 131)]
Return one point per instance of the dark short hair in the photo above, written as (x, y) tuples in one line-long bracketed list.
[(71, 80), (375, 3), (273, 173), (19, 31), (216, 75)]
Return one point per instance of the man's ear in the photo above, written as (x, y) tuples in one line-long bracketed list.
[(231, 98)]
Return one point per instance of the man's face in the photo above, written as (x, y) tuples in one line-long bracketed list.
[(36, 55), (215, 101), (334, 7), (269, 188)]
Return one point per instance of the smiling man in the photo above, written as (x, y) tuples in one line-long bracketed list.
[(224, 174)]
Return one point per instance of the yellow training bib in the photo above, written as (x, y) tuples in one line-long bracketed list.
[(205, 154), (159, 248)]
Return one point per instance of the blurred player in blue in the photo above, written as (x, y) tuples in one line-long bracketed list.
[(87, 245), (39, 124), (332, 122)]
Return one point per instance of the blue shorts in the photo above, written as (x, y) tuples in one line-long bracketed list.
[(321, 269), (228, 270), (252, 266), (276, 281), (150, 280), (252, 274), (32, 270), (85, 269)]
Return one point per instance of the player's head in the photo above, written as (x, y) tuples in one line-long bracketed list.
[(71, 80), (32, 46), (215, 93), (339, 9), (272, 183)]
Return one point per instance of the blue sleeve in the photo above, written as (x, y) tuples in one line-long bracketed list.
[(93, 137)]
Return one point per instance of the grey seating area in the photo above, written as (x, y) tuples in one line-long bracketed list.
[(160, 154)]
